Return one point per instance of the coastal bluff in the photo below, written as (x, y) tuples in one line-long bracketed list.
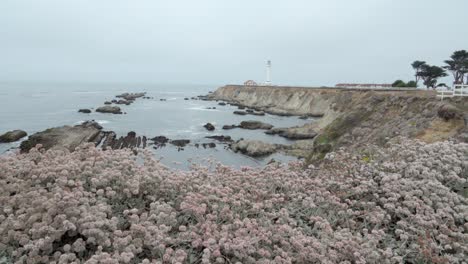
[(356, 117)]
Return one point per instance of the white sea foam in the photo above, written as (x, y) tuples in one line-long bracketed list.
[(101, 122)]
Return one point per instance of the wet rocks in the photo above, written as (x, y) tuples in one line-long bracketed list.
[(208, 145), (159, 141), (180, 142), (209, 127), (12, 136), (68, 137), (222, 103), (260, 113), (124, 102), (109, 109), (293, 133), (84, 111), (249, 112), (107, 103), (130, 96), (221, 138), (162, 100), (186, 99), (253, 148), (227, 127), (131, 141), (252, 124)]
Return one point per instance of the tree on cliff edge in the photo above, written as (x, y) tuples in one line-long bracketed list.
[(417, 66), (458, 65), (429, 74)]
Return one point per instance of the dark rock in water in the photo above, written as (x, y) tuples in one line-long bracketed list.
[(186, 98), (249, 110), (85, 111), (125, 102), (160, 139), (130, 96), (209, 127), (222, 103), (107, 103), (162, 99), (221, 138), (12, 136), (67, 137), (209, 145), (239, 112), (229, 127), (252, 124), (241, 107), (180, 142), (131, 141), (114, 101), (304, 117), (109, 109), (261, 113)]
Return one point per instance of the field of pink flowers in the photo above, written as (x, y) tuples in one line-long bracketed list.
[(403, 204)]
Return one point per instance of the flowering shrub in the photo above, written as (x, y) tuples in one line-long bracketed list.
[(94, 206)]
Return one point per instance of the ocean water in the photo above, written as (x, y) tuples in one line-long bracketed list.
[(34, 107)]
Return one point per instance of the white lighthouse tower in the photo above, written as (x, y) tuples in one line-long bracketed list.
[(268, 73)]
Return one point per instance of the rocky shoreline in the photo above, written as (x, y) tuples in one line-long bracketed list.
[(351, 118), (338, 118)]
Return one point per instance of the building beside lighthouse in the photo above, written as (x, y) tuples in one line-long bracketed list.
[(267, 81)]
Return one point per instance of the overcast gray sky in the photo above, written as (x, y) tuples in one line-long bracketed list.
[(310, 42)]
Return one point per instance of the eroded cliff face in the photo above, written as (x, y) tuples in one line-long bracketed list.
[(357, 118)]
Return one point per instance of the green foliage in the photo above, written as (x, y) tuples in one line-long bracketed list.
[(417, 65), (399, 83), (411, 84), (430, 74), (402, 84), (458, 65)]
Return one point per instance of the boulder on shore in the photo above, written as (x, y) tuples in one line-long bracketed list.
[(12, 136), (293, 133), (253, 148), (209, 127), (68, 137), (109, 109), (252, 124), (239, 112), (84, 111)]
